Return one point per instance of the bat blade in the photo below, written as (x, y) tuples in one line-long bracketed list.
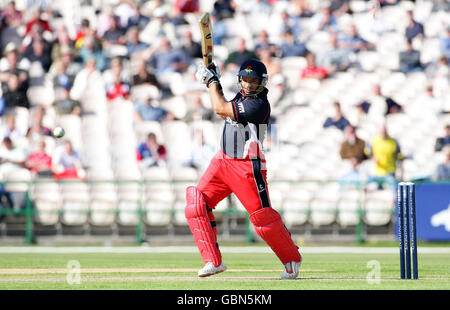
[(207, 38)]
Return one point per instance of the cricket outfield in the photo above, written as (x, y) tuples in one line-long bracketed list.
[(249, 268)]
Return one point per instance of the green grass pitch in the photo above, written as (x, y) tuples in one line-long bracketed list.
[(246, 271)]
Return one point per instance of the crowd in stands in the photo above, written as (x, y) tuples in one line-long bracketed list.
[(66, 46)]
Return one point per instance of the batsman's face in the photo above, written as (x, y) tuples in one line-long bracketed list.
[(250, 85)]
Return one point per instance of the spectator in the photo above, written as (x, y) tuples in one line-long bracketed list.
[(224, 8), (114, 35), (302, 9), (89, 78), (384, 3), (187, 6), (11, 157), (191, 48), (414, 29), (201, 153), (444, 44), (67, 164), (272, 64), (198, 111), (353, 41), (12, 67), (289, 46), (90, 50), (167, 59), (338, 120), (392, 106), (386, 154), (63, 71), (149, 111), (144, 77), (442, 142), (62, 41), (150, 153), (11, 20), (138, 20), (335, 58), (289, 23), (264, 44), (65, 105), (36, 24), (409, 60), (84, 31), (312, 70), (442, 172), (136, 49), (39, 52), (37, 129), (379, 106), (13, 95), (39, 162), (219, 29), (354, 178), (237, 57), (281, 97), (117, 86), (9, 129), (158, 28), (441, 5), (324, 20), (340, 7), (353, 147)]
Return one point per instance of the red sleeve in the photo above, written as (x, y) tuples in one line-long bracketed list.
[(138, 156)]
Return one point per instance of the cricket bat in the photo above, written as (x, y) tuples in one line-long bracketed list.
[(207, 39)]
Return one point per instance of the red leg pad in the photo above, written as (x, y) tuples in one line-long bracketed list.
[(269, 226), (200, 224)]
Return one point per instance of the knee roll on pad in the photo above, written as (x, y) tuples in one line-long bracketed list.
[(269, 226), (205, 235)]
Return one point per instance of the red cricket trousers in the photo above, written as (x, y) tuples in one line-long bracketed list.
[(246, 178)]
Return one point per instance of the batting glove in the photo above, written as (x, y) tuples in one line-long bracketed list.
[(207, 75)]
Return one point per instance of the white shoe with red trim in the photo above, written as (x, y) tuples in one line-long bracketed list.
[(209, 269), (291, 270)]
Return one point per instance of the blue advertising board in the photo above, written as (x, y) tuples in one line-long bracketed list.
[(433, 211)]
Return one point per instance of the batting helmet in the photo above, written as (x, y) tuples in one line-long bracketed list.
[(255, 69)]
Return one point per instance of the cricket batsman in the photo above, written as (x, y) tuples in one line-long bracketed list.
[(239, 167)]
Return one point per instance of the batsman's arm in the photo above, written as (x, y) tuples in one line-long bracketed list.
[(220, 106)]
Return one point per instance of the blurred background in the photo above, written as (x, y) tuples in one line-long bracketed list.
[(359, 95)]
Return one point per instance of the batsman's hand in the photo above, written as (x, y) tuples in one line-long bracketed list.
[(207, 75)]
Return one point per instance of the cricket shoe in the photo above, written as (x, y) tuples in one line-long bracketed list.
[(291, 270), (209, 269)]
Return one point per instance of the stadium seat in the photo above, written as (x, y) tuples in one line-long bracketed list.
[(379, 206), (349, 205), (296, 207), (142, 92), (178, 140), (75, 202)]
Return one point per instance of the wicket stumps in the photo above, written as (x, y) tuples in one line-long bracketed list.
[(407, 234)]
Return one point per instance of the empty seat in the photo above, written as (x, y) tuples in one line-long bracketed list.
[(75, 202), (296, 207), (47, 211), (102, 212), (159, 211), (128, 212), (75, 212), (323, 211), (349, 207), (379, 207)]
